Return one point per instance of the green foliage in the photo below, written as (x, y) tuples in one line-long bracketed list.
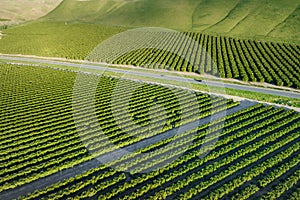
[(284, 186), (3, 27), (38, 133), (254, 19), (252, 145), (247, 60), (55, 39)]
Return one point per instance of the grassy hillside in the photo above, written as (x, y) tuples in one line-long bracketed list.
[(289, 26), (247, 18), (167, 13), (242, 18), (18, 11)]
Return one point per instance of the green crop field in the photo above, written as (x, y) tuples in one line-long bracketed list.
[(73, 41), (247, 60), (255, 156), (253, 41), (130, 99)]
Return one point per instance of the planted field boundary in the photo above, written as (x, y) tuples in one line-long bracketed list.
[(83, 167), (264, 138), (246, 60), (39, 139), (152, 75), (243, 59), (46, 140)]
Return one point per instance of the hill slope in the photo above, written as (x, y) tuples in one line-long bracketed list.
[(167, 13), (18, 11), (272, 18)]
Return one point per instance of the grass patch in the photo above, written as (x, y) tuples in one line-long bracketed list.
[(277, 20), (4, 20)]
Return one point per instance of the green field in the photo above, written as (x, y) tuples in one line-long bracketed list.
[(256, 154), (246, 60), (253, 41), (56, 39), (255, 96), (226, 57), (251, 19), (70, 128)]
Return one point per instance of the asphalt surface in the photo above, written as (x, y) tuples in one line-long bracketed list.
[(105, 66)]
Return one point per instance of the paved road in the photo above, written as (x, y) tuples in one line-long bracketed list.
[(104, 66), (83, 167)]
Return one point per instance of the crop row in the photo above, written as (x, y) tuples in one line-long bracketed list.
[(246, 60), (249, 138), (40, 137)]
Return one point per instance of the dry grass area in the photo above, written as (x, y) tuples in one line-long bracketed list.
[(16, 11)]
